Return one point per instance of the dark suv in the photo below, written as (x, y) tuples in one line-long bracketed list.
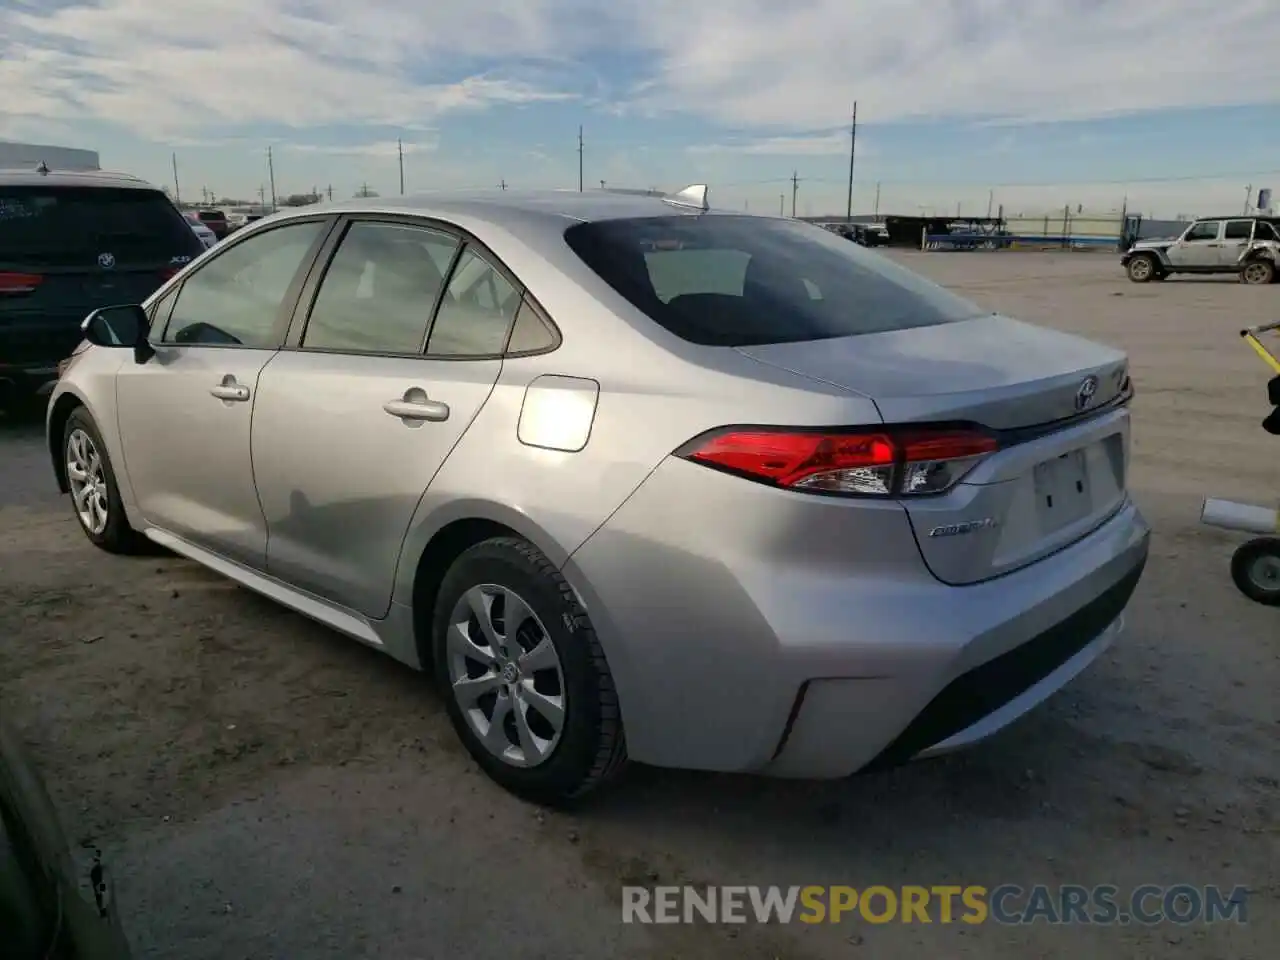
[(70, 242), (216, 221)]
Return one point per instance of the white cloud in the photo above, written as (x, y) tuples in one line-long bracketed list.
[(801, 64), (379, 150), (166, 70), (833, 144)]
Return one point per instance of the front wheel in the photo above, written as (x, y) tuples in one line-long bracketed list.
[(1255, 568), (523, 675), (95, 492), (1143, 269), (1258, 272)]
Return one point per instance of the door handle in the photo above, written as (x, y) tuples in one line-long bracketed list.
[(230, 391), (416, 405)]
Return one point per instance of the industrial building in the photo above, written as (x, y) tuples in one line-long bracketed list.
[(17, 155)]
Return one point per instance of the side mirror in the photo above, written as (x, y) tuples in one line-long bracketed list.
[(120, 327)]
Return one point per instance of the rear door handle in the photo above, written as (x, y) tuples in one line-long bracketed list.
[(230, 391), (416, 405)]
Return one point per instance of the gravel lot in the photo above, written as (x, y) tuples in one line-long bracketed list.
[(265, 788)]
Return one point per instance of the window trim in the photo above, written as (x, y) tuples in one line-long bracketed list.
[(305, 301), (279, 326)]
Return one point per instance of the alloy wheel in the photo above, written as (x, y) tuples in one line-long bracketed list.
[(88, 481), (1256, 273), (505, 675), (1140, 269), (1265, 573)]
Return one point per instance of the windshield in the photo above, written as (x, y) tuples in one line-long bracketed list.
[(72, 226), (740, 281)]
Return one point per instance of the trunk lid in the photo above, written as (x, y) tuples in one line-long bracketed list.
[(1062, 466)]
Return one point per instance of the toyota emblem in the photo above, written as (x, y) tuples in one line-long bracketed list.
[(106, 260), (1084, 394)]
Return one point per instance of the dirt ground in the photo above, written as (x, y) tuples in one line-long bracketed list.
[(265, 788)]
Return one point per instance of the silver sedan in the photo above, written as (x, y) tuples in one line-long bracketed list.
[(631, 477)]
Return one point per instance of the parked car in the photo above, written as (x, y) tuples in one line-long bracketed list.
[(1209, 245), (48, 910), (216, 221), (207, 236), (637, 478), (70, 242)]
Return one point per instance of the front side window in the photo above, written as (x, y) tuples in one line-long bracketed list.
[(1205, 230), (235, 298), (380, 289), (476, 311), (724, 280)]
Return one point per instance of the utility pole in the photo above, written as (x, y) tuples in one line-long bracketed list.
[(503, 184), (795, 189), (1248, 195), (601, 184), (782, 200), (853, 146), (400, 152), (177, 191), (579, 159), (271, 175), (330, 191), (262, 196), (991, 198)]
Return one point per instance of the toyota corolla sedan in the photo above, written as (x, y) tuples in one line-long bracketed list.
[(632, 477)]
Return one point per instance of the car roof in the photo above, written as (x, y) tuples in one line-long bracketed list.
[(31, 177), (511, 208), (1270, 218)]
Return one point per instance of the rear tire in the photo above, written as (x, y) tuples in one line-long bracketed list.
[(1258, 272), (95, 492), (1143, 268), (1255, 568), (523, 675)]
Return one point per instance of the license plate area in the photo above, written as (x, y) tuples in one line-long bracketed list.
[(1063, 491)]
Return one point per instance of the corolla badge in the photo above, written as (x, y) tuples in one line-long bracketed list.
[(106, 260), (1086, 391), (967, 526)]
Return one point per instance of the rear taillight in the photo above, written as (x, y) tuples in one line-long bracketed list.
[(884, 462), (19, 282), (168, 273)]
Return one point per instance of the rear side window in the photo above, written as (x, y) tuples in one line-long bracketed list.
[(738, 281), (476, 311), (1238, 230), (380, 289), (74, 226)]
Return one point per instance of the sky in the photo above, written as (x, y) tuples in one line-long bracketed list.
[(1169, 107)]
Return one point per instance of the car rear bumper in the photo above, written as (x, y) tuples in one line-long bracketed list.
[(737, 648)]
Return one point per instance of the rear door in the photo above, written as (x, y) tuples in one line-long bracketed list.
[(185, 414), (385, 370), (1235, 237), (65, 250)]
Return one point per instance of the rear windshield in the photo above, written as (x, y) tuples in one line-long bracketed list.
[(214, 215), (737, 281), (73, 226)]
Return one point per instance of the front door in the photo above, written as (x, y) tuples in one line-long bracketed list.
[(1199, 247), (185, 414), (352, 425), (1235, 238)]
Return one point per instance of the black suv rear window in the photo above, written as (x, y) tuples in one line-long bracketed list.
[(724, 280), (72, 226)]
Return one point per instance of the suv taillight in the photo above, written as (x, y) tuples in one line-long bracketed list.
[(19, 282), (885, 462)]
